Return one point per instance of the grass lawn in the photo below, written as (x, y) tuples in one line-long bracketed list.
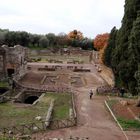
[(126, 124), (129, 124), (4, 84), (6, 138), (111, 102), (13, 114), (61, 105)]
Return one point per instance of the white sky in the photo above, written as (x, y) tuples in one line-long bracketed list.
[(91, 17)]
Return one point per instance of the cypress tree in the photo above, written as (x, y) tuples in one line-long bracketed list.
[(125, 56), (111, 45), (137, 76), (134, 53)]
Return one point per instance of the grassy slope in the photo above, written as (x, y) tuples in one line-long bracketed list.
[(11, 114), (61, 105), (125, 123)]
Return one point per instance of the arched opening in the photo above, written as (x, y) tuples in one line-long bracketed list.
[(30, 99), (10, 72)]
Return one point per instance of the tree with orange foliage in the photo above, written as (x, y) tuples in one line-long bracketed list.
[(75, 35), (100, 43)]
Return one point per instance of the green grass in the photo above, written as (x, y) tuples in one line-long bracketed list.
[(125, 123), (129, 96), (6, 138), (11, 114), (129, 124), (4, 84), (36, 47), (61, 106), (111, 102)]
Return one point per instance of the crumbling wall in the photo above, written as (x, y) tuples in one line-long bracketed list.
[(12, 60)]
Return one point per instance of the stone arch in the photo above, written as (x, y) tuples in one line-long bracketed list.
[(30, 99)]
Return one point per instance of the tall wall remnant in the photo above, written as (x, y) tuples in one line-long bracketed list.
[(12, 60)]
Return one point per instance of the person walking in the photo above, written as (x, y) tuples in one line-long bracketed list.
[(90, 94), (122, 91)]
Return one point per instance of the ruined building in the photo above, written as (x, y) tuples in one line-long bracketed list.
[(12, 60)]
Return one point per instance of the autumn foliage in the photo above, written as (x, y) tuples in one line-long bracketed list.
[(75, 35), (100, 43)]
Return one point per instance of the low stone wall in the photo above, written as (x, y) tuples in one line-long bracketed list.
[(49, 114), (43, 88), (42, 125), (74, 115), (20, 96), (5, 97), (107, 90), (81, 70), (46, 69)]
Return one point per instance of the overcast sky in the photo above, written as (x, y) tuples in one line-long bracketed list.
[(91, 17)]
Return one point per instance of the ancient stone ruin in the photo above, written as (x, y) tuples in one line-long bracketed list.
[(12, 60)]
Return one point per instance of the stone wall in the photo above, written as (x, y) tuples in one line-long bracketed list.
[(12, 60), (62, 51), (2, 58), (95, 57)]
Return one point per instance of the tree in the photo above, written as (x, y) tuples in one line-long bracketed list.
[(24, 38), (124, 55), (110, 46), (75, 35), (86, 44), (2, 36), (62, 39), (134, 51), (13, 38), (100, 43), (34, 39), (137, 76), (43, 42), (125, 44), (10, 38), (52, 39)]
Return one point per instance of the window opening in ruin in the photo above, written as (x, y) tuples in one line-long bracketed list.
[(10, 72), (30, 99)]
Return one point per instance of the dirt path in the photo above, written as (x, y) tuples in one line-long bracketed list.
[(94, 121)]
